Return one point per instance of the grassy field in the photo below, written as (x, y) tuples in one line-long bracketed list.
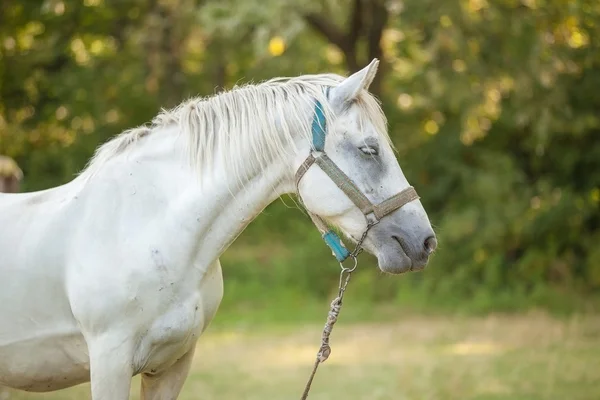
[(532, 356)]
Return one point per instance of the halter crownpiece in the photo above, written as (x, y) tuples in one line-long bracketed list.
[(372, 212)]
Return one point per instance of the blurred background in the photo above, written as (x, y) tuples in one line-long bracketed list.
[(494, 107)]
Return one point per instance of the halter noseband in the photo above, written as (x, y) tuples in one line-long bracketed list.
[(373, 212)]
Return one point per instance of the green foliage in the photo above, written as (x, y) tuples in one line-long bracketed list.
[(493, 106)]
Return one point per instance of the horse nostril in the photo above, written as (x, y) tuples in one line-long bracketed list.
[(430, 244)]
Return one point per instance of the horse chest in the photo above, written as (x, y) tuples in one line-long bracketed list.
[(176, 330), (171, 334)]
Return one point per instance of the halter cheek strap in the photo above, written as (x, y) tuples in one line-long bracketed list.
[(333, 241), (372, 212)]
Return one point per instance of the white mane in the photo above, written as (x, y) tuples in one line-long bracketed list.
[(245, 128)]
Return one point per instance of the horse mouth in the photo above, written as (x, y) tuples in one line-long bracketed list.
[(404, 248), (395, 260)]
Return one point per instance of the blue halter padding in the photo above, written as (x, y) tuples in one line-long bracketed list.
[(319, 126), (335, 244)]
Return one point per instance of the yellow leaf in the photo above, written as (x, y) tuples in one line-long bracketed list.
[(445, 21), (595, 195), (431, 127), (276, 46)]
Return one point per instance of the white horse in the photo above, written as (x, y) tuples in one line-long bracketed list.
[(117, 272)]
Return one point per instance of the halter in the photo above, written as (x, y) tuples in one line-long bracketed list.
[(373, 212)]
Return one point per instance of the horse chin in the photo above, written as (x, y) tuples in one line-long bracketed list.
[(395, 262)]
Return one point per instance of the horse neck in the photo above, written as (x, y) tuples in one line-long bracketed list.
[(201, 209), (235, 205), (209, 210)]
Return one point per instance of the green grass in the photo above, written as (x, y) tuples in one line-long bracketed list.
[(530, 356)]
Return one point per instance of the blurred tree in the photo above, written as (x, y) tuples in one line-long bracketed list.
[(354, 27)]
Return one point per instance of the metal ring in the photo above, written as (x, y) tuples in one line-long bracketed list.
[(346, 269)]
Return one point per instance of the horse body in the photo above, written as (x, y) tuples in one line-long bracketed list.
[(117, 272), (96, 263)]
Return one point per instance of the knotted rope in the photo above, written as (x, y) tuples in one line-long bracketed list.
[(332, 317)]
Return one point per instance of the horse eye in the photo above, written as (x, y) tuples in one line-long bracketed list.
[(371, 151)]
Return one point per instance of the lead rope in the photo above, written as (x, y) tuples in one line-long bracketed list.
[(334, 311)]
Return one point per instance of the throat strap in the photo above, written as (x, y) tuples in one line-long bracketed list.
[(332, 240)]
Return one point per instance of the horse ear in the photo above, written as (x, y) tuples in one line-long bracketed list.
[(349, 88)]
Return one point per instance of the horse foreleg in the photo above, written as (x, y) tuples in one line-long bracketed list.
[(167, 384), (111, 368)]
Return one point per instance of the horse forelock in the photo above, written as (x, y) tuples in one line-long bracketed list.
[(245, 128)]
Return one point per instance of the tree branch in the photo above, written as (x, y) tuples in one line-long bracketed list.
[(371, 13), (327, 29), (355, 23), (379, 18), (335, 36)]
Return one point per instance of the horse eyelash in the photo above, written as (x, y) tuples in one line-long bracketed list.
[(369, 150)]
